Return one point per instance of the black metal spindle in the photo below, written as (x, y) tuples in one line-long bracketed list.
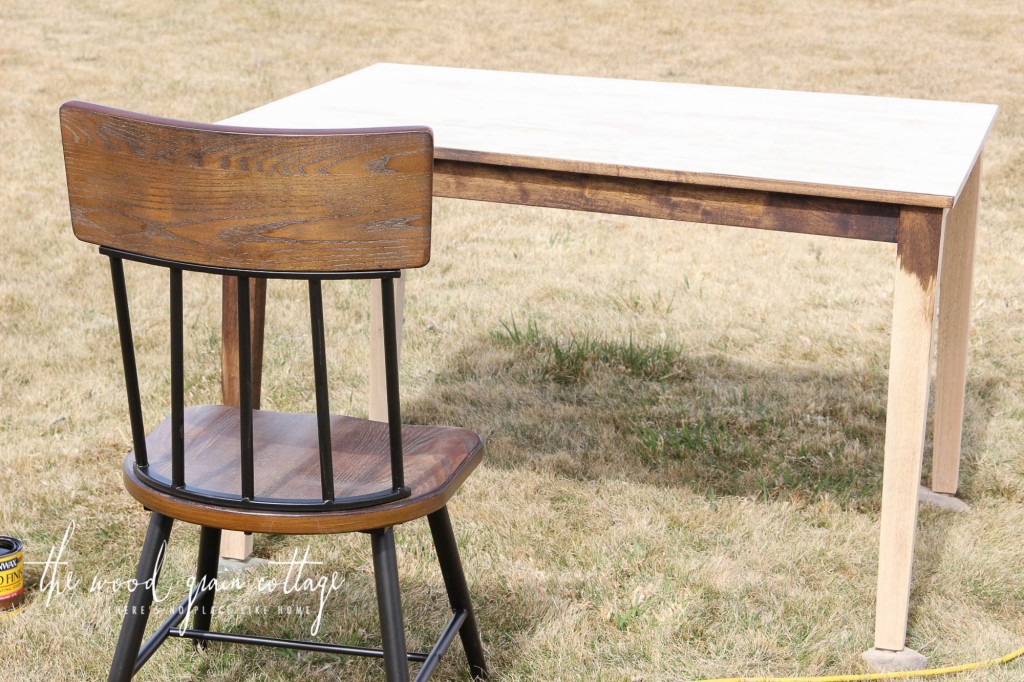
[(323, 408), (387, 301), (177, 382), (245, 389), (131, 373)]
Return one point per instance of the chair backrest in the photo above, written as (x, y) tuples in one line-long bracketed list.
[(243, 202), (276, 200)]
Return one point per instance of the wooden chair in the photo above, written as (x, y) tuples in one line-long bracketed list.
[(254, 203)]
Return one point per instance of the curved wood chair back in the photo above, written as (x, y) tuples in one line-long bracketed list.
[(246, 198)]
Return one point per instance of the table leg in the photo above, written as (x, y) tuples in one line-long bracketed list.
[(917, 254), (233, 544), (955, 279), (378, 409)]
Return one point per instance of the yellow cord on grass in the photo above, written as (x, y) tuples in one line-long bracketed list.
[(930, 672)]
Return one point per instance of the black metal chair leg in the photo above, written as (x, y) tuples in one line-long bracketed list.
[(206, 575), (389, 604), (458, 591), (137, 613)]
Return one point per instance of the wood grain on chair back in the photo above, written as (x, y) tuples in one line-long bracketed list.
[(252, 199)]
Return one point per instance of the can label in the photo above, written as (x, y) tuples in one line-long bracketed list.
[(12, 584)]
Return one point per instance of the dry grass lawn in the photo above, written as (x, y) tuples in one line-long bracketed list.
[(685, 446)]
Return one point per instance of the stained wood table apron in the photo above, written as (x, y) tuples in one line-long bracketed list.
[(883, 169)]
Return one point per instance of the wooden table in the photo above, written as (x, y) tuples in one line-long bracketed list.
[(883, 169)]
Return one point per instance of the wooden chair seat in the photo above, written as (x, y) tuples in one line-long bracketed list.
[(437, 460)]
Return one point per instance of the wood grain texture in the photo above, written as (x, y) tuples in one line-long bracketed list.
[(253, 199), (917, 255), (901, 151), (437, 461), (667, 200), (955, 284)]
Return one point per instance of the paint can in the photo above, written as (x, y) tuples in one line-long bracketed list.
[(12, 584)]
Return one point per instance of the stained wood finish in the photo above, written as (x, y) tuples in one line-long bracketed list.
[(437, 461), (878, 149), (289, 201), (667, 200), (917, 256), (955, 284)]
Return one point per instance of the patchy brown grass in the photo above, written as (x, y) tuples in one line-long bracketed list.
[(684, 446)]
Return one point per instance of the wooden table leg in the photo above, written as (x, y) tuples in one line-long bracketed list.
[(378, 409), (917, 254), (233, 544), (955, 279)]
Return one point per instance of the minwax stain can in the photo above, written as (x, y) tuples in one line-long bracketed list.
[(12, 584)]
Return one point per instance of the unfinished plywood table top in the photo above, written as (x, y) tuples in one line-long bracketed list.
[(910, 152)]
